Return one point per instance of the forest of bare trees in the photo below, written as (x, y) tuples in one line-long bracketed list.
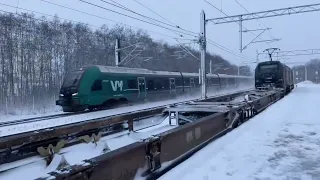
[(36, 53)]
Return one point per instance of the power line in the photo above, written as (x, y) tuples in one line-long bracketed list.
[(271, 35), (267, 14), (181, 45), (153, 12), (44, 14), (100, 17), (92, 4), (174, 25), (212, 42), (228, 50), (187, 50), (118, 5), (238, 23)]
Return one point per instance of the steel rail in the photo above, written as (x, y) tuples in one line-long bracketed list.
[(44, 118), (20, 146)]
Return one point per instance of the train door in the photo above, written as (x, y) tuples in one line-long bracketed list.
[(172, 86), (192, 85), (142, 88)]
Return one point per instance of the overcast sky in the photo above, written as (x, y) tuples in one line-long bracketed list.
[(297, 32)]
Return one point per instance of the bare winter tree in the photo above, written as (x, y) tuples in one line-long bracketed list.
[(35, 55)]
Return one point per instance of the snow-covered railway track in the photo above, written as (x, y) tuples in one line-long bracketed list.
[(195, 124), (45, 141), (55, 116), (103, 112), (34, 119)]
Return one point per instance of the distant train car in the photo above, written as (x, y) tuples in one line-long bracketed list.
[(274, 73), (94, 87)]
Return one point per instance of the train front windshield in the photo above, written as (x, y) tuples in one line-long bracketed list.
[(268, 68), (72, 79)]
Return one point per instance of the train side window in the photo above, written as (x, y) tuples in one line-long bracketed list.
[(186, 82), (166, 83), (158, 85), (132, 84), (97, 85), (178, 82), (150, 85)]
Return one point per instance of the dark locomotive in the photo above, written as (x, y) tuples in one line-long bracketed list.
[(274, 74)]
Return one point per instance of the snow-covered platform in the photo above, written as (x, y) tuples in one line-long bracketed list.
[(282, 142)]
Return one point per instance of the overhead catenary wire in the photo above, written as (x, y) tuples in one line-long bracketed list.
[(118, 5), (187, 50), (161, 17), (101, 7), (110, 20), (271, 35), (228, 15), (152, 11), (228, 50), (44, 14), (212, 42), (215, 44)]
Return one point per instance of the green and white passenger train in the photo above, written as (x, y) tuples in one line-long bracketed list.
[(95, 87)]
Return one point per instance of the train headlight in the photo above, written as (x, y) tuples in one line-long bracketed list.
[(61, 95), (74, 94)]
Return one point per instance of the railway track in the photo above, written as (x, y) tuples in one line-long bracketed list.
[(43, 118), (35, 119), (20, 146), (196, 124)]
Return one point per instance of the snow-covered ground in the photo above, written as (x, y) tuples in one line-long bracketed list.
[(35, 167), (13, 112), (282, 142), (27, 113), (33, 126)]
